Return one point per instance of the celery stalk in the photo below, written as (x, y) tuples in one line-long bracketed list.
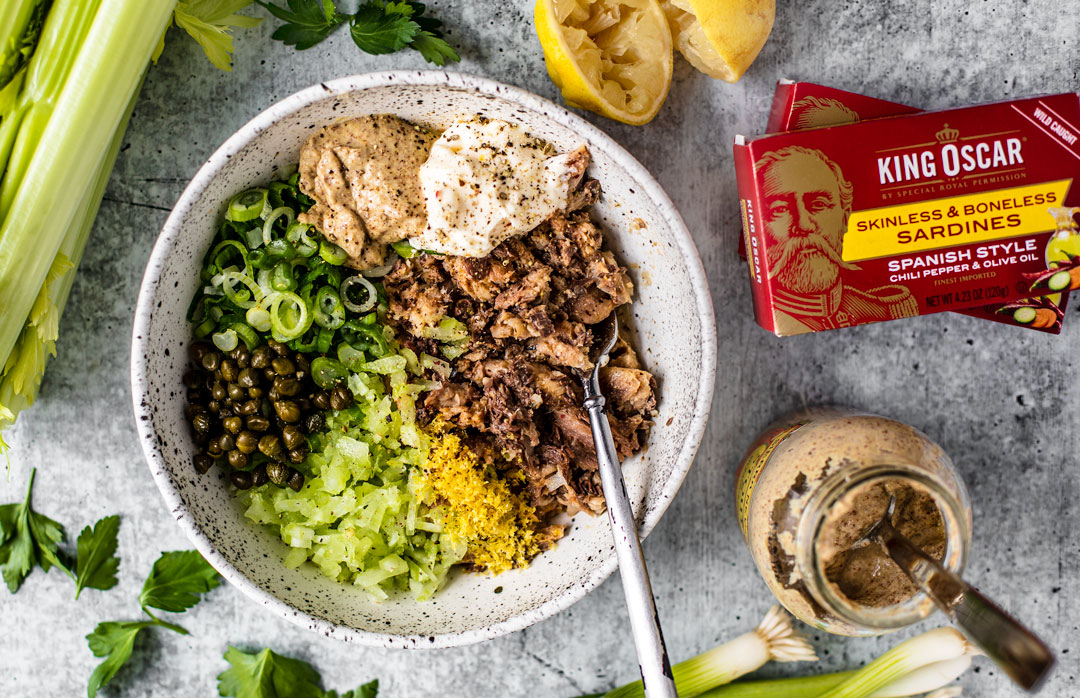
[(20, 25), (103, 78), (37, 341)]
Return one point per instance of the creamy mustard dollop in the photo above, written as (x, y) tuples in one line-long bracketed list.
[(488, 180)]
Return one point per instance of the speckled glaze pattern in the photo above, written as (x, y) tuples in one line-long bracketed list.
[(672, 317)]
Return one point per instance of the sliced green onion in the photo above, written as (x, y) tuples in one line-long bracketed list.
[(280, 249), (216, 254), (404, 249), (259, 318), (379, 271), (246, 297), (369, 301), (327, 372), (246, 333), (367, 337), (774, 639), (282, 279), (289, 306), (299, 234), (247, 206), (225, 341), (353, 359), (329, 310), (203, 329), (268, 226), (332, 254), (323, 340)]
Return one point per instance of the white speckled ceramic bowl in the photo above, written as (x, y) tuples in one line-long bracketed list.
[(672, 316)]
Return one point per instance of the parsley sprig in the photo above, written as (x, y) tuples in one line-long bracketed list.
[(29, 539), (267, 674), (377, 27), (176, 583)]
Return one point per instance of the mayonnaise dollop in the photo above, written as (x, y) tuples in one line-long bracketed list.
[(488, 180)]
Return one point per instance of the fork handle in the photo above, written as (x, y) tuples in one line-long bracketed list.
[(644, 622)]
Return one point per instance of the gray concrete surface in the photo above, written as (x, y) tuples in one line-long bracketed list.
[(1003, 402)]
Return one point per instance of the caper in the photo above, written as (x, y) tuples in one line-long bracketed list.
[(314, 422), (240, 355), (249, 407), (213, 406), (225, 442), (229, 370), (241, 479), (278, 473), (236, 392), (194, 409), (287, 410), (283, 366), (304, 404), (292, 436), (298, 454), (233, 424), (211, 360), (259, 477), (256, 392), (201, 422), (201, 438), (192, 379), (322, 400), (196, 395), (203, 463), (248, 378), (303, 366), (198, 350), (286, 386), (247, 442), (296, 480), (270, 373), (279, 348), (340, 398), (270, 446), (261, 357), (213, 449), (238, 459), (218, 391), (257, 422), (273, 395)]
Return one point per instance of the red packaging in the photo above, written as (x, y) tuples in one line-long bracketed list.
[(914, 214), (802, 105)]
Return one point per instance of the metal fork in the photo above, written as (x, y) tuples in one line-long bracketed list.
[(644, 622)]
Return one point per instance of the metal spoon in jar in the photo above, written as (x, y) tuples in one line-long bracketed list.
[(1018, 651), (644, 622)]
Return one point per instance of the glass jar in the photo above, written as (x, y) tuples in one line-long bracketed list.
[(809, 488)]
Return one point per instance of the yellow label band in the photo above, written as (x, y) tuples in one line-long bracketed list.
[(957, 220)]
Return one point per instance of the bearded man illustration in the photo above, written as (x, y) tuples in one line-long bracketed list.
[(807, 204)]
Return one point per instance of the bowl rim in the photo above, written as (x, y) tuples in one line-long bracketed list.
[(140, 384)]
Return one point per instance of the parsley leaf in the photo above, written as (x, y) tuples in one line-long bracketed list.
[(96, 564), (27, 539), (307, 21), (379, 29), (177, 580), (368, 690), (434, 49), (267, 675), (114, 641), (208, 22)]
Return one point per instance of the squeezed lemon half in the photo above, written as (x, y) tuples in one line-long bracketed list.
[(721, 38), (607, 56)]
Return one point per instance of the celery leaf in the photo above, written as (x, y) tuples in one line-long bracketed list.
[(114, 642), (28, 538), (307, 22), (177, 581), (209, 21), (379, 29)]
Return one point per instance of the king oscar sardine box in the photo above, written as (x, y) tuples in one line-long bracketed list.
[(928, 212), (802, 105)]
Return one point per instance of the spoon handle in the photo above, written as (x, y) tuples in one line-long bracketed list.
[(644, 622), (1018, 651)]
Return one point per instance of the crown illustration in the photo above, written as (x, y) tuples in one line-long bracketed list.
[(947, 135)]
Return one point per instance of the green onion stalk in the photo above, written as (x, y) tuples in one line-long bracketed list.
[(57, 137), (774, 639)]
